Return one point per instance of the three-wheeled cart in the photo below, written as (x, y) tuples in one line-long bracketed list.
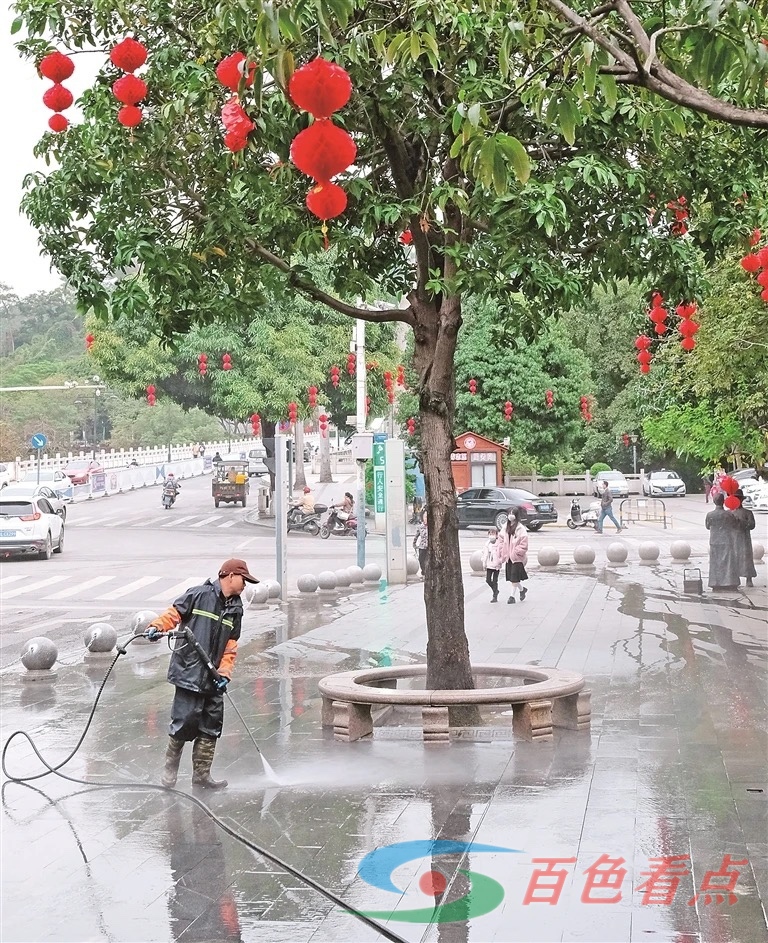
[(230, 482)]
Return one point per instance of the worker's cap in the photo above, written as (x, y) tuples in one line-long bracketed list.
[(237, 568), (307, 490)]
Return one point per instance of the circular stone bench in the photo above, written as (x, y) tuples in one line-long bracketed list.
[(541, 698)]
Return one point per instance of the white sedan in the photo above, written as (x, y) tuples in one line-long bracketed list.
[(28, 489), (29, 526), (755, 495), (54, 478), (664, 484)]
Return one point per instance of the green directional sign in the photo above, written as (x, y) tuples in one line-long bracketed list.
[(379, 478)]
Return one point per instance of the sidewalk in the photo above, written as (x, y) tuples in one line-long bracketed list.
[(671, 779)]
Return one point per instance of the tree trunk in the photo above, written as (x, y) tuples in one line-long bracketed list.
[(325, 458), (299, 478), (448, 664)]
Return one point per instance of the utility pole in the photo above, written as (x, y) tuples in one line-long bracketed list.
[(360, 389)]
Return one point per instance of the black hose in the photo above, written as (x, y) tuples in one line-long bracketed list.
[(252, 846)]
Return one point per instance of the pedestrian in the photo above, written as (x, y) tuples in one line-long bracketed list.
[(746, 521), (213, 613), (723, 552), (514, 554), (421, 542), (606, 510), (717, 477), (195, 450), (217, 459), (201, 450), (706, 483), (492, 562)]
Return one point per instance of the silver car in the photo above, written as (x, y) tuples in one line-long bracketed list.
[(616, 482), (664, 484)]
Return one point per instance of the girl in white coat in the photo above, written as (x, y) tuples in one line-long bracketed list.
[(514, 553), (492, 562)]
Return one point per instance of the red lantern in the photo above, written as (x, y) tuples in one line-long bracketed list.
[(202, 364), (235, 119), (406, 237), (643, 357), (312, 396), (57, 67), (473, 386), (323, 150), (367, 405), (688, 327), (256, 424), (729, 485), (232, 70), (128, 55), (58, 123), (755, 237), (129, 116), (411, 425), (335, 376), (750, 263), (401, 375), (687, 343), (657, 315), (322, 422), (351, 364), (226, 362), (642, 342), (293, 412), (550, 399), (234, 142), (129, 90), (89, 339), (625, 440), (151, 398), (732, 502), (58, 98), (320, 87), (508, 410), (645, 368), (326, 200), (762, 257)]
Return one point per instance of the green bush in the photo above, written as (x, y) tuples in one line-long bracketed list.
[(598, 467), (549, 470)]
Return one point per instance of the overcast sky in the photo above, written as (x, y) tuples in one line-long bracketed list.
[(25, 118)]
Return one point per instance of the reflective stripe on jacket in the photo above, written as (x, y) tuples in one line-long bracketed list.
[(215, 622)]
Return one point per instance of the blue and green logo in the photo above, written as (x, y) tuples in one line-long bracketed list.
[(481, 894)]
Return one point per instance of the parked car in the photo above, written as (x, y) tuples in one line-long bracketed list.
[(744, 474), (79, 469), (256, 466), (28, 489), (54, 478), (755, 494), (5, 475), (664, 484), (489, 507), (31, 526), (616, 482)]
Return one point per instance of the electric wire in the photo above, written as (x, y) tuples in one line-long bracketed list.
[(232, 832)]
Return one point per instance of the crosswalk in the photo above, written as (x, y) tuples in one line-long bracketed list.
[(105, 588), (163, 521)]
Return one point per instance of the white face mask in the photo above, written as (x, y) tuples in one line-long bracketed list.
[(492, 539), (511, 518)]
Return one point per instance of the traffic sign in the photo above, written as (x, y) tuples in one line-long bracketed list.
[(39, 440)]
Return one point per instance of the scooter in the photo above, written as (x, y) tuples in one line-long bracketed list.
[(310, 523), (586, 519), (169, 496), (333, 525)]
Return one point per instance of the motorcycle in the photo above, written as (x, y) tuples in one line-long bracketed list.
[(334, 525), (298, 520), (169, 496), (587, 518)]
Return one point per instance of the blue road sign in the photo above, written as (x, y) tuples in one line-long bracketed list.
[(39, 440)]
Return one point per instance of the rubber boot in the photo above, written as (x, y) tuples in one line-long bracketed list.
[(172, 760), (202, 759)]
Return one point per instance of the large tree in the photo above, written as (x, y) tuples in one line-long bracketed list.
[(530, 148)]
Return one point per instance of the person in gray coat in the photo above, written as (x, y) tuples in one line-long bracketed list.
[(746, 522), (723, 553)]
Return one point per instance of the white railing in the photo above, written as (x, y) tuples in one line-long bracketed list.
[(566, 484)]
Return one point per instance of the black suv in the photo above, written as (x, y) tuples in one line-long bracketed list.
[(489, 507)]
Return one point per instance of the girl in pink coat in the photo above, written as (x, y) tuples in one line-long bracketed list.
[(514, 554), (492, 562)]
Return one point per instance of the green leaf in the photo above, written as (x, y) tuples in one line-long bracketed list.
[(16, 25), (566, 113)]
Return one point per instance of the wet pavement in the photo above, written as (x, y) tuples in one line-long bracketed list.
[(651, 826)]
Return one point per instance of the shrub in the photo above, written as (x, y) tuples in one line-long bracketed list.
[(598, 467), (549, 470)]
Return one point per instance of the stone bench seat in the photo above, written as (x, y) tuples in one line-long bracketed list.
[(541, 699)]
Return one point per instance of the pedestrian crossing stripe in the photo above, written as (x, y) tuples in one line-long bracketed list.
[(161, 520)]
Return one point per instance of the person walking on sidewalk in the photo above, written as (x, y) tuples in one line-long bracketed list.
[(492, 562), (706, 483), (421, 542), (606, 510), (745, 555), (213, 613), (514, 554)]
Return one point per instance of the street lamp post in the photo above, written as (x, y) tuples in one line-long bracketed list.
[(633, 440)]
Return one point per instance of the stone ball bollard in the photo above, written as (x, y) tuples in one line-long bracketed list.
[(476, 563), (343, 578), (648, 551), (372, 572), (680, 550), (355, 574), (327, 580), (100, 638), (617, 553), (140, 623), (548, 557), (757, 552), (584, 555), (274, 589), (411, 565), (307, 583), (39, 657), (259, 595)]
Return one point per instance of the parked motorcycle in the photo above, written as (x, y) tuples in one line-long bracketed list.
[(298, 520), (169, 496), (586, 518), (334, 525)]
